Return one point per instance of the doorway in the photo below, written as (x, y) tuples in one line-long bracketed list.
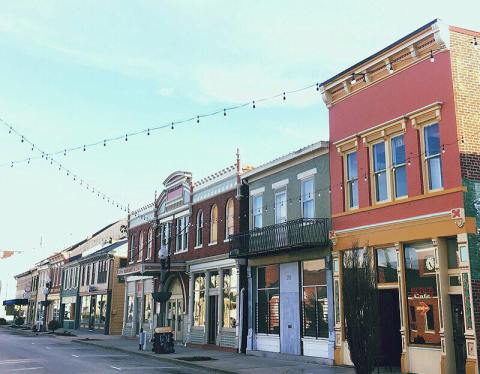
[(458, 333), (390, 339), (174, 317), (212, 319)]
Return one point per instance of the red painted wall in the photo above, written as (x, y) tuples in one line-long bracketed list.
[(415, 87)]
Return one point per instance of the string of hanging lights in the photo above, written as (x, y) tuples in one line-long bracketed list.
[(62, 168), (65, 151)]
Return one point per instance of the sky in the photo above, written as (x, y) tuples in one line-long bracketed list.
[(78, 72)]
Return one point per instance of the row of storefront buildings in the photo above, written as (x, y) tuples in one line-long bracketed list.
[(251, 258)]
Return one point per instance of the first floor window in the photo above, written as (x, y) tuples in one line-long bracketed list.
[(387, 265), (422, 294), (230, 298), (199, 300), (130, 308), (85, 309), (147, 308), (315, 302), (268, 300)]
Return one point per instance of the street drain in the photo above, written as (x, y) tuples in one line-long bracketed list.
[(196, 358)]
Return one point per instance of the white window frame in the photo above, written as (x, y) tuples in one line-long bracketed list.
[(303, 200), (259, 210), (350, 182)]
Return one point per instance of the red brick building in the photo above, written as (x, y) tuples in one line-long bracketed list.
[(404, 172)]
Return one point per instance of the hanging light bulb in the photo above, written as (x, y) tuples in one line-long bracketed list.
[(105, 143), (33, 146), (253, 104), (148, 132), (432, 58), (172, 127), (443, 148), (29, 160), (65, 152), (353, 80), (390, 67), (475, 43), (409, 162), (11, 165), (198, 119), (224, 112), (10, 130), (84, 149), (318, 87), (284, 97), (22, 139), (126, 137)]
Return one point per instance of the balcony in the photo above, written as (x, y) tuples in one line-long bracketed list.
[(299, 233)]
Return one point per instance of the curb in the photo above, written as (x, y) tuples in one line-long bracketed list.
[(157, 357)]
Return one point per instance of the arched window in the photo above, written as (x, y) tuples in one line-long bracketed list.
[(132, 248), (213, 224), (140, 247), (199, 229), (149, 243), (229, 210)]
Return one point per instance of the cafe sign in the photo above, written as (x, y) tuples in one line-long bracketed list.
[(421, 292)]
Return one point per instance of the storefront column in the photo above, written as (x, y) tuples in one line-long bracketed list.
[(338, 307), (250, 342), (207, 306), (125, 307), (191, 296), (220, 304), (467, 296), (403, 304)]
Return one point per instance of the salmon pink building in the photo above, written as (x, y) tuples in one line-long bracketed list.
[(405, 183)]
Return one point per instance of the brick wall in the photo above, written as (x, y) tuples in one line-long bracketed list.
[(465, 60)]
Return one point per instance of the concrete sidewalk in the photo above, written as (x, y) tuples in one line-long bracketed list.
[(216, 361)]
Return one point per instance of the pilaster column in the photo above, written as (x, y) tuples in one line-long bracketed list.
[(191, 296), (338, 307), (220, 305), (403, 304), (125, 307), (250, 342), (207, 306)]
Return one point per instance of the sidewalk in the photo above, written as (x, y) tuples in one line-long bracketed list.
[(216, 361)]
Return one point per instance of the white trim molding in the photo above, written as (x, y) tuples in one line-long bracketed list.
[(257, 191), (279, 184), (307, 173)]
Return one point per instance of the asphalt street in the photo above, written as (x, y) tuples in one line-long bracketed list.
[(44, 354)]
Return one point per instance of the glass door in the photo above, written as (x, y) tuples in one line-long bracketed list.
[(174, 317)]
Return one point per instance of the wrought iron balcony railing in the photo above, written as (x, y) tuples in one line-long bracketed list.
[(303, 232)]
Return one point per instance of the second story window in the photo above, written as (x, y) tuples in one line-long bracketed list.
[(140, 247), (352, 180), (432, 159), (399, 167), (199, 229), (380, 172), (257, 202), (281, 207), (229, 220), (181, 234), (149, 243), (213, 224), (132, 248), (165, 233), (308, 202)]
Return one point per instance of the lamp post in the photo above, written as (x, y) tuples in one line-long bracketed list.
[(46, 291)]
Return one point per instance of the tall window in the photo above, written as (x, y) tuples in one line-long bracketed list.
[(432, 159), (257, 211), (352, 180), (315, 302), (213, 224), (268, 300), (182, 234), (132, 248), (199, 300), (199, 229), (230, 298), (387, 265), (422, 294), (380, 171), (140, 246), (308, 195), (399, 166), (281, 207), (229, 220), (165, 233), (93, 273), (149, 243)]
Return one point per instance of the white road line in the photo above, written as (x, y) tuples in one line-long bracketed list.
[(25, 369), (142, 368), (79, 356), (16, 361)]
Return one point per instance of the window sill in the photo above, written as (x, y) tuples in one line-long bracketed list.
[(182, 251), (198, 246), (212, 243), (228, 240), (311, 338)]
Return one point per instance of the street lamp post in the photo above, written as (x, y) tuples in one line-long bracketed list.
[(46, 291)]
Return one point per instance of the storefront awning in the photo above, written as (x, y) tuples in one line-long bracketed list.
[(15, 302)]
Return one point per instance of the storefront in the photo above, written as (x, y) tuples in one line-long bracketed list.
[(213, 302), (69, 311), (139, 312), (94, 311)]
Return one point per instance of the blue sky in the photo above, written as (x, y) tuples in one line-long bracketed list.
[(77, 72)]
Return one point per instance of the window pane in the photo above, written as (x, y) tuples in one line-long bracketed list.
[(379, 161), (309, 312), (398, 150), (268, 276), (314, 273), (307, 189), (422, 294), (432, 140), (352, 172), (353, 186), (434, 173), (308, 209), (381, 186), (400, 181), (387, 265), (257, 211)]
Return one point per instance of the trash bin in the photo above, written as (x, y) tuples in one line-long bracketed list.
[(163, 340)]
